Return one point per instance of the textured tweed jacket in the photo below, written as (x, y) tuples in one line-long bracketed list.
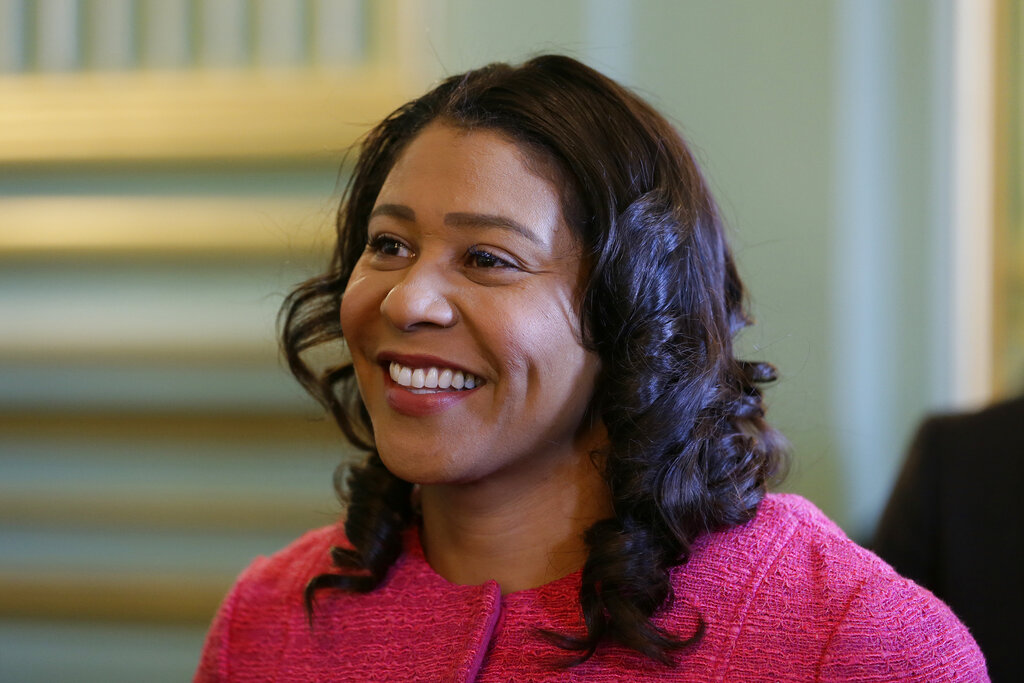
[(785, 597)]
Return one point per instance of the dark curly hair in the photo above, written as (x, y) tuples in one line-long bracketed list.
[(689, 450)]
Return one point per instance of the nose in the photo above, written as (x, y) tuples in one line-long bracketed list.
[(421, 298)]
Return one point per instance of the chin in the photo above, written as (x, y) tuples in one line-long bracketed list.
[(417, 466)]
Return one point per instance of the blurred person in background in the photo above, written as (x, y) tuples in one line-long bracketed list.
[(955, 525), (567, 466)]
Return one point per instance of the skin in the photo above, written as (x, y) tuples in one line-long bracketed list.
[(470, 263)]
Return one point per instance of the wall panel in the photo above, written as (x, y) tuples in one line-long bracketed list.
[(168, 171)]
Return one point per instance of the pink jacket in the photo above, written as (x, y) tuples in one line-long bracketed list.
[(786, 597)]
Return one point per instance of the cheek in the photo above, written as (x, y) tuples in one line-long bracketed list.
[(543, 339), (359, 318), (357, 303), (356, 315)]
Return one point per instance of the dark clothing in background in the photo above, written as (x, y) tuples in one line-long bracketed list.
[(954, 525)]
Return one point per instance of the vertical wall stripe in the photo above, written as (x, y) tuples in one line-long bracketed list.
[(417, 28), (12, 36), (941, 351), (280, 31), (609, 34), (223, 38), (110, 34), (972, 201), (166, 33), (865, 264), (57, 35), (338, 27)]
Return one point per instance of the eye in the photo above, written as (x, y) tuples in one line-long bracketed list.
[(478, 258), (386, 245)]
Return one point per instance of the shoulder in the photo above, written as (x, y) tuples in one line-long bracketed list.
[(960, 472), (792, 552), (1006, 413), (892, 625), (873, 620), (792, 582), (790, 533), (296, 563), (277, 581), (265, 601), (995, 427), (784, 510), (816, 555)]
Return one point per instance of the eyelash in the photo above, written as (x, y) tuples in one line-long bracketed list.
[(475, 253), (379, 243)]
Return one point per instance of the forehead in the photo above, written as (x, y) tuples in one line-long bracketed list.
[(446, 169)]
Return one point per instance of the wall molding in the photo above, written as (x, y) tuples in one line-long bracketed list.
[(194, 115), (111, 596), (166, 224)]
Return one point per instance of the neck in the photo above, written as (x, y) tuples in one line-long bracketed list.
[(522, 529)]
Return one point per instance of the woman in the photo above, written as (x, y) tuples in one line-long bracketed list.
[(566, 464)]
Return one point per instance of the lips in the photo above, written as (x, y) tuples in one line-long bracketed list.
[(425, 385)]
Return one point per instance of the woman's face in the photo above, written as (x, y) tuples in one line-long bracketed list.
[(461, 315)]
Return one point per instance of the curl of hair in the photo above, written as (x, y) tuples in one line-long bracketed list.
[(689, 449)]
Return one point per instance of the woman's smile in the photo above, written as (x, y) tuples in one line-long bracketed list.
[(427, 372), (423, 385), (462, 314)]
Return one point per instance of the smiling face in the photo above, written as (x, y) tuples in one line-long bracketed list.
[(471, 277)]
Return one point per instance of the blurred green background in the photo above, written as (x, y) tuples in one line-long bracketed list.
[(151, 443)]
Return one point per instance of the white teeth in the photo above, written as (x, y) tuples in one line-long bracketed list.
[(432, 378)]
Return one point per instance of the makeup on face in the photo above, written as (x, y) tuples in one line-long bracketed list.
[(461, 316)]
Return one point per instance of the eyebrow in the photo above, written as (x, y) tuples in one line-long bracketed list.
[(394, 210), (460, 219)]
